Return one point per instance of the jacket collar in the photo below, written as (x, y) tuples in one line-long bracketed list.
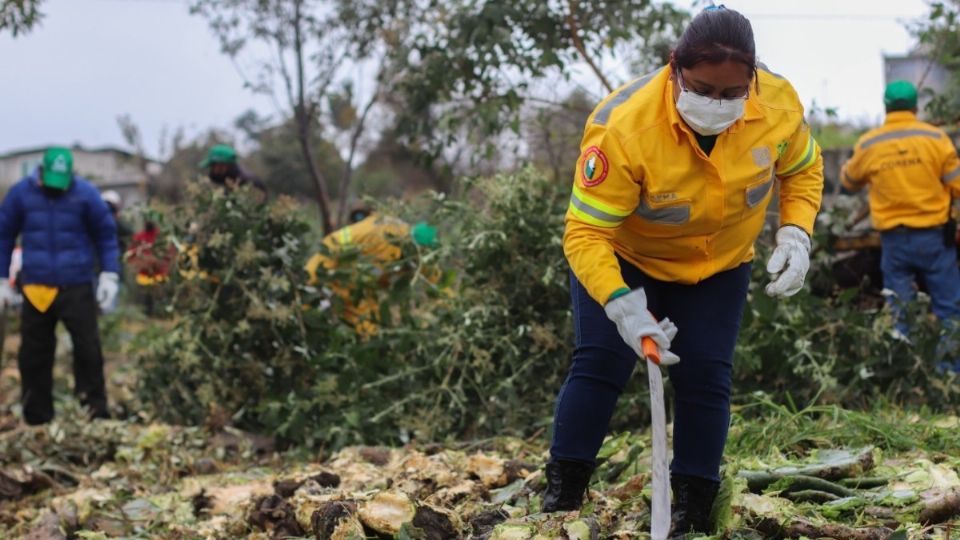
[(900, 117)]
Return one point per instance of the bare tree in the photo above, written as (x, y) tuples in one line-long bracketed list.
[(308, 50)]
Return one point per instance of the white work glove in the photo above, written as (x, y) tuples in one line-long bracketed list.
[(789, 263), (634, 322), (9, 297), (107, 289)]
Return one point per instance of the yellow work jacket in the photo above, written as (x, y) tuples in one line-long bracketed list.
[(375, 237), (644, 190), (912, 170)]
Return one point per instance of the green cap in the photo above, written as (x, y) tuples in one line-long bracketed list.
[(424, 234), (220, 153), (57, 168), (900, 96)]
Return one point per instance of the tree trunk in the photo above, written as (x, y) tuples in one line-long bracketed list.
[(303, 116), (348, 166)]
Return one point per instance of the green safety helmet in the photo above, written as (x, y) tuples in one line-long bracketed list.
[(220, 153), (57, 168), (900, 96), (424, 234)]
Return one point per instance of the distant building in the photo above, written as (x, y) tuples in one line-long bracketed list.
[(918, 68), (107, 167)]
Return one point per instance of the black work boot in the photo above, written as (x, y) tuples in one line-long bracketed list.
[(566, 483), (692, 505)]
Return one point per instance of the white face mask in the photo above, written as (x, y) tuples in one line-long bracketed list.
[(708, 116)]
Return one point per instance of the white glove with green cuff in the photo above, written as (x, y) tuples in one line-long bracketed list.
[(634, 322)]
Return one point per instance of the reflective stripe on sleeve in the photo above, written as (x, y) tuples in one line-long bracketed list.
[(594, 212), (807, 159)]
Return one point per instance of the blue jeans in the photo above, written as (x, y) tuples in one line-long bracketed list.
[(708, 318), (908, 253)]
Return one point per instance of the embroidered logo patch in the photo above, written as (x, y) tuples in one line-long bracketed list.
[(60, 165), (781, 148), (595, 167), (761, 156)]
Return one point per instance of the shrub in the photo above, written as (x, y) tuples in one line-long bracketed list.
[(480, 352)]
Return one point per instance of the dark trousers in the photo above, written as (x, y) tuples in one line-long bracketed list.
[(908, 253), (708, 318), (77, 308)]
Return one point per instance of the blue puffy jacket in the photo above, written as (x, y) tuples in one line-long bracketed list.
[(59, 234)]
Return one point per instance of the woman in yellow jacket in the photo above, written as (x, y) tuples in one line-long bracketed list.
[(672, 185)]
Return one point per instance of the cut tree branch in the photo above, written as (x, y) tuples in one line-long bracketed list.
[(578, 43)]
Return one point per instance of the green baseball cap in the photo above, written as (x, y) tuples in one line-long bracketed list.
[(57, 168), (900, 95), (424, 234), (220, 153)]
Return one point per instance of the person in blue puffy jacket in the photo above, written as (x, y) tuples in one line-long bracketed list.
[(65, 229)]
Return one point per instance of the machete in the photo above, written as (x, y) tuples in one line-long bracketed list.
[(660, 513)]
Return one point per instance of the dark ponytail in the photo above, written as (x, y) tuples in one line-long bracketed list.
[(715, 36)]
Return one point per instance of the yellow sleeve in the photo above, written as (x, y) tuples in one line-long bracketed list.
[(333, 242), (853, 175), (313, 264), (950, 174), (800, 170), (605, 192)]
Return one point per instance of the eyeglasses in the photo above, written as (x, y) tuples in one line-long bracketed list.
[(683, 86)]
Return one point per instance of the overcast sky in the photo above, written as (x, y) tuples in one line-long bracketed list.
[(92, 60)]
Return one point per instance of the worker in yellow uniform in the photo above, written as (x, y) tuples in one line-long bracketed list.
[(376, 237), (675, 173), (913, 173)]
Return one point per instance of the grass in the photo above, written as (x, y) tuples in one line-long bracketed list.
[(761, 425)]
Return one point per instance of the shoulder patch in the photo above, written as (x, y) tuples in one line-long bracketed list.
[(594, 167)]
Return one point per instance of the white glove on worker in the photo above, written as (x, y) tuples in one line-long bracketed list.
[(634, 322), (9, 297), (789, 263), (107, 289)]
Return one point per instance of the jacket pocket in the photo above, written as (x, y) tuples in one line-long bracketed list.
[(758, 192), (676, 213)]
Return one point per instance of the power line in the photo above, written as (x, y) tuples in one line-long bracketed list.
[(831, 16)]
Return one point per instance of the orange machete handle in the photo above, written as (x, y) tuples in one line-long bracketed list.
[(650, 350)]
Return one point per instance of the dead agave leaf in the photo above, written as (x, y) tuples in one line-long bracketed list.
[(513, 531), (490, 470), (230, 500), (387, 511), (437, 523), (582, 529)]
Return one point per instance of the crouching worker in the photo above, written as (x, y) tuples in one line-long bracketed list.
[(379, 239), (671, 191), (65, 229)]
